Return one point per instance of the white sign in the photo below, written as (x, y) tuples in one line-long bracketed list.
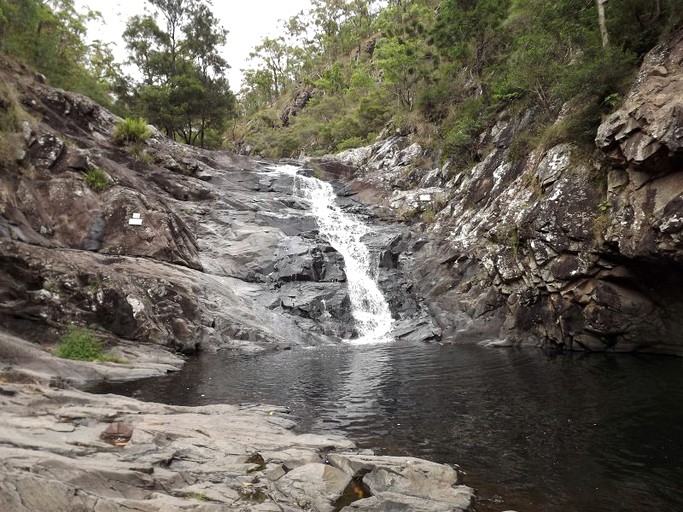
[(425, 197), (136, 220)]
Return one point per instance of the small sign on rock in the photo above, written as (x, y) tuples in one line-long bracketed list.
[(136, 220)]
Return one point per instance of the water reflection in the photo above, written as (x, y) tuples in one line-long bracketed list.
[(533, 433)]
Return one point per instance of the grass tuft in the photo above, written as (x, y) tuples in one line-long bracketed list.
[(79, 344), (131, 130), (97, 179)]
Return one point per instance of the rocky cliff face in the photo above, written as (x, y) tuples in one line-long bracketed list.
[(556, 248), (225, 256), (220, 254)]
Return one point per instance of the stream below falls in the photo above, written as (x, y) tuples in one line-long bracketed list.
[(531, 432)]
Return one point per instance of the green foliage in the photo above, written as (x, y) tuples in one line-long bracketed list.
[(177, 50), (79, 344), (447, 71), (604, 205), (9, 108), (578, 126), (429, 214), (48, 35), (97, 179), (199, 496), (138, 151), (9, 142), (352, 142), (450, 66), (12, 115), (637, 26), (460, 131), (330, 122), (521, 147), (431, 102), (332, 80), (402, 55), (470, 31), (131, 130)]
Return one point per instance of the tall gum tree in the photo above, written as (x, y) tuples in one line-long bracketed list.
[(184, 90)]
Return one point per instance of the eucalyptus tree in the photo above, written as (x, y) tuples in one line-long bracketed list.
[(403, 49), (274, 55), (183, 88), (470, 31)]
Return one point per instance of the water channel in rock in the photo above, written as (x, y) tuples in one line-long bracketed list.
[(532, 432)]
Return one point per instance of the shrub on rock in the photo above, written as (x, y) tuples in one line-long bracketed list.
[(79, 344), (131, 130), (97, 179)]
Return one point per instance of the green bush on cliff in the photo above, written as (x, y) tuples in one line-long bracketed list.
[(454, 68), (79, 344), (97, 179), (131, 131)]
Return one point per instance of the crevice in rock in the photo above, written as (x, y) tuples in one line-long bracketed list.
[(355, 491)]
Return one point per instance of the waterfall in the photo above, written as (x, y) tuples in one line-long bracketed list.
[(344, 231)]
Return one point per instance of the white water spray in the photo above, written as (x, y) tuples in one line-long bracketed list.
[(343, 231)]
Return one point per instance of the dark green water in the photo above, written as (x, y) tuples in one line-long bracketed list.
[(568, 433)]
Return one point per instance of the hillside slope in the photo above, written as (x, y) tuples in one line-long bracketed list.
[(556, 247)]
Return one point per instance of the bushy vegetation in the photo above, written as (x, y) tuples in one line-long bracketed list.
[(79, 344), (446, 70), (97, 179), (177, 48), (48, 35), (11, 115), (131, 130)]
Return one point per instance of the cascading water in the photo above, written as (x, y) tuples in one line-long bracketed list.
[(344, 231)]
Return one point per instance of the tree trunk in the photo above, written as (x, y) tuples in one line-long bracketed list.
[(202, 130), (603, 23)]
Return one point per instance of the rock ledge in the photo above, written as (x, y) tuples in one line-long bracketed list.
[(70, 450)]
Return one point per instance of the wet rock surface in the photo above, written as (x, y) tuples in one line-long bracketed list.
[(184, 250), (69, 450), (221, 254)]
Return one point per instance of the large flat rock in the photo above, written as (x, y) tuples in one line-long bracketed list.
[(69, 450)]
